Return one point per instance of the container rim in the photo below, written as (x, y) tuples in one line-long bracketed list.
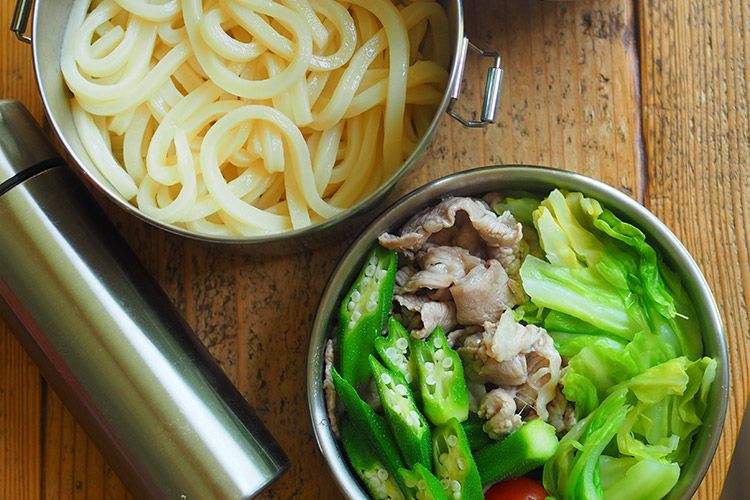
[(475, 181)]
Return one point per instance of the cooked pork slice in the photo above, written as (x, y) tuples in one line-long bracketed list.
[(543, 362), (329, 389), (556, 409), (483, 294), (561, 412), (510, 258), (499, 408), (465, 236), (481, 367), (495, 231), (442, 295), (510, 354), (509, 338), (441, 266), (456, 337), (402, 276), (544, 374), (426, 314), (569, 418)]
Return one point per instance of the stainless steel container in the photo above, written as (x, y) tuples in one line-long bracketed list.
[(49, 23), (110, 342), (506, 178)]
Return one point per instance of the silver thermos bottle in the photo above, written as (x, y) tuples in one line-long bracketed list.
[(110, 342)]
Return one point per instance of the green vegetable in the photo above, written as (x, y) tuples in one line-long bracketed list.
[(583, 293), (473, 427), (557, 321), (521, 208), (621, 478), (380, 483), (653, 414), (648, 261), (593, 371), (570, 344), (421, 484), (564, 230), (403, 416), (573, 471), (454, 464), (522, 451), (368, 426), (364, 312), (670, 401), (395, 352), (530, 313), (605, 363), (602, 272), (441, 379)]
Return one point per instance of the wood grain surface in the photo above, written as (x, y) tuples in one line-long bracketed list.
[(695, 59), (572, 99)]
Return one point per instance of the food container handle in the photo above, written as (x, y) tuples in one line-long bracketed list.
[(21, 20), (492, 86)]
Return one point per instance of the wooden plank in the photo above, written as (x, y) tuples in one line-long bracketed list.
[(255, 312), (568, 97), (694, 58), (20, 437)]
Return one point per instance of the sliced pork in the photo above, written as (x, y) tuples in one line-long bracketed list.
[(499, 407), (421, 315), (494, 230), (518, 357), (482, 294), (440, 267), (480, 366), (561, 411)]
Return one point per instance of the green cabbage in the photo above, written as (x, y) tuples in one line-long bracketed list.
[(582, 293), (631, 479), (521, 207), (635, 368)]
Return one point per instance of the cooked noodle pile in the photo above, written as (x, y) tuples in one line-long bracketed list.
[(247, 117)]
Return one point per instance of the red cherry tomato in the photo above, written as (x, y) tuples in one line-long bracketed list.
[(522, 488)]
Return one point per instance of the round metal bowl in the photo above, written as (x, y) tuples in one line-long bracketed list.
[(49, 24), (500, 178)]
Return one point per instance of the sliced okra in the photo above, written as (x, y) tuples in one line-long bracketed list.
[(395, 351), (364, 312), (403, 416), (454, 464), (421, 484), (369, 426), (369, 467), (441, 379)]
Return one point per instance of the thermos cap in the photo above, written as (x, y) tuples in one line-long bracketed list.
[(22, 144)]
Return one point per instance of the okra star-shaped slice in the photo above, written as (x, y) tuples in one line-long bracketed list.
[(401, 412), (454, 464), (441, 379)]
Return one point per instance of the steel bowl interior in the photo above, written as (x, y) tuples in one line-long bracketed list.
[(49, 24), (540, 179)]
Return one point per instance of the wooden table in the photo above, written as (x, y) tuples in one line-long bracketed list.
[(650, 96)]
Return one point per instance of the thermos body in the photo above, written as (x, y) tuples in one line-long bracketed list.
[(110, 341)]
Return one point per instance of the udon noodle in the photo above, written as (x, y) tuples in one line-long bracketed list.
[(249, 117)]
